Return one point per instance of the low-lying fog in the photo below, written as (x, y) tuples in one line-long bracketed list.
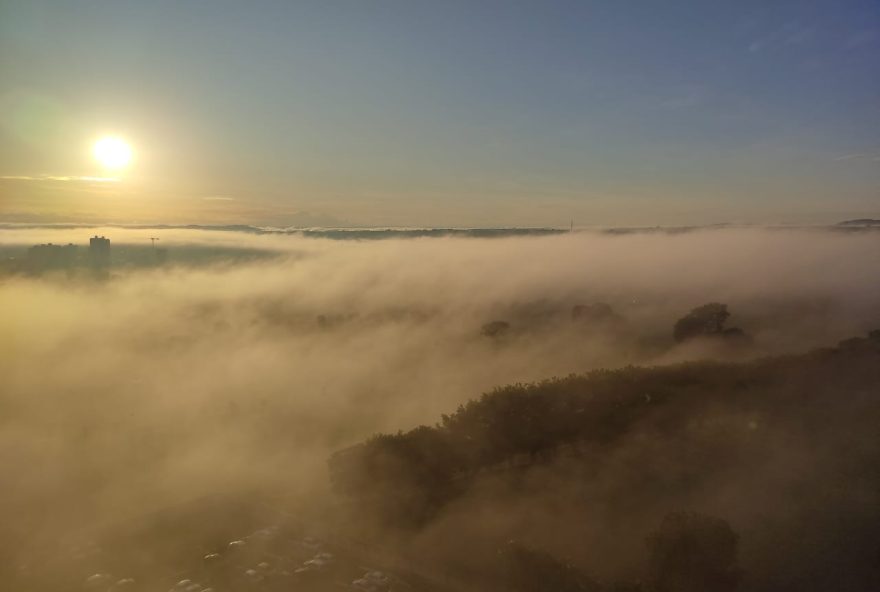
[(158, 385)]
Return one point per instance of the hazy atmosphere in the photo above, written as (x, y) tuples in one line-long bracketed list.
[(439, 297), (158, 386)]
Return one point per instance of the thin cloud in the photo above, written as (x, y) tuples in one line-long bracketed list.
[(791, 33), (62, 178), (858, 156), (218, 198)]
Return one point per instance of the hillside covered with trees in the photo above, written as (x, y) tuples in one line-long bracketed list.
[(754, 476)]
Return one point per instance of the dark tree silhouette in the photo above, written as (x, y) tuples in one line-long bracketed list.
[(530, 570), (706, 320), (693, 552)]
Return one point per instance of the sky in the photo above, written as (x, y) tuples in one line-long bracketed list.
[(441, 113)]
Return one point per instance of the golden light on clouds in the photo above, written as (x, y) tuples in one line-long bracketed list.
[(113, 153)]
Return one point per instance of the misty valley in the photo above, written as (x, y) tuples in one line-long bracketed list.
[(430, 410), (390, 296)]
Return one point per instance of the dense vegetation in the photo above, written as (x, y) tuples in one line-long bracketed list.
[(704, 423)]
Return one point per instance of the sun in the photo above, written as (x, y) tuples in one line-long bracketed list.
[(112, 152)]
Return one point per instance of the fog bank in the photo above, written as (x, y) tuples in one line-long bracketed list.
[(159, 385)]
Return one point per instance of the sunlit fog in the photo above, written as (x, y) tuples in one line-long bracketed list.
[(237, 366), (388, 296)]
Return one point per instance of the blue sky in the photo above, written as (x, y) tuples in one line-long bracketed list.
[(443, 113)]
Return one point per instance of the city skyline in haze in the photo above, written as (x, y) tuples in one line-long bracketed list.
[(441, 114)]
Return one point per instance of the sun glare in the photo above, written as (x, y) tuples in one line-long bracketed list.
[(113, 153)]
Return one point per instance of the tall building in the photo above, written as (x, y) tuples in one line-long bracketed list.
[(99, 251)]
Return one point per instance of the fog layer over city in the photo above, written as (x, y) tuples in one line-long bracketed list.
[(125, 394)]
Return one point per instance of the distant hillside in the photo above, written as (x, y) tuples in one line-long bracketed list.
[(317, 231), (860, 222), (786, 449)]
